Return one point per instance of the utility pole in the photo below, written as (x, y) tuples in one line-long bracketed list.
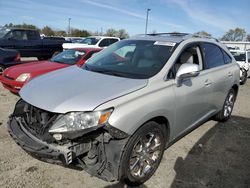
[(146, 28), (69, 32)]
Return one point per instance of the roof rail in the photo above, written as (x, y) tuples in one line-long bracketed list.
[(168, 34), (203, 36)]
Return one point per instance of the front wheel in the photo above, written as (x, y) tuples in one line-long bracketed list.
[(227, 109), (143, 154)]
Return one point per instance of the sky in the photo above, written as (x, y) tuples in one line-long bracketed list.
[(187, 16)]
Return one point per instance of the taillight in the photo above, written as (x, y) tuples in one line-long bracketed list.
[(18, 57)]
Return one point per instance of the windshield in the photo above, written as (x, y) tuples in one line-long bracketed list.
[(131, 59), (90, 41), (70, 56), (239, 56), (3, 32)]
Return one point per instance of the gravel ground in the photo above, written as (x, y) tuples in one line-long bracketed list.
[(214, 155)]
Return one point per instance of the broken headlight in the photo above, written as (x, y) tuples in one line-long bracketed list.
[(74, 121)]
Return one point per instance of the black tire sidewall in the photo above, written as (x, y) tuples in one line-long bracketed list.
[(125, 168)]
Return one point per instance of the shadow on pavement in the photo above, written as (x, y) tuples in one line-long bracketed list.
[(122, 185), (220, 159)]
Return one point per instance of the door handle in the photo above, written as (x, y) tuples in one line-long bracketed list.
[(230, 74), (208, 83)]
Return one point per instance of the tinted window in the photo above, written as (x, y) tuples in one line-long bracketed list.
[(131, 59), (227, 58), (239, 56), (20, 35), (248, 57), (104, 42), (213, 55), (32, 35), (111, 41)]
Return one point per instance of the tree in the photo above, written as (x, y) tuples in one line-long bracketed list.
[(24, 25), (237, 34), (122, 33), (248, 37), (61, 33), (203, 33), (79, 33), (111, 32), (47, 31)]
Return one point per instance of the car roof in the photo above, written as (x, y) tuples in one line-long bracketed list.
[(101, 37), (172, 37)]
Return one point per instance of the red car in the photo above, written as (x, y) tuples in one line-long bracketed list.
[(15, 77)]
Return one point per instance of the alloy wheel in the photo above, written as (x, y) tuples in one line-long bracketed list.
[(145, 155), (229, 103)]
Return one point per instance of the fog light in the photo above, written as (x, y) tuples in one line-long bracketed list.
[(57, 136)]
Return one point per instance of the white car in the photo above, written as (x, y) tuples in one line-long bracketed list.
[(243, 59), (93, 41)]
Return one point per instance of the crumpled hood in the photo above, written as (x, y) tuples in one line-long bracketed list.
[(75, 89)]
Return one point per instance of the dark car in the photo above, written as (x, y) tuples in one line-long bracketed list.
[(29, 43), (8, 58)]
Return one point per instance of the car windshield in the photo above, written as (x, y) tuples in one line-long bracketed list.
[(90, 40), (70, 56), (139, 59), (239, 56), (3, 32)]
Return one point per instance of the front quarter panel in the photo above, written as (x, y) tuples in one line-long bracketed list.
[(133, 110)]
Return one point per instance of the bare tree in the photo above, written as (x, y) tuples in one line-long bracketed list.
[(237, 34)]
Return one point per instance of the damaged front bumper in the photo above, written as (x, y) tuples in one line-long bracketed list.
[(98, 152)]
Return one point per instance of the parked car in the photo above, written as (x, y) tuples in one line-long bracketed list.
[(243, 59), (15, 77), (94, 41), (74, 39), (29, 43), (115, 115), (8, 58)]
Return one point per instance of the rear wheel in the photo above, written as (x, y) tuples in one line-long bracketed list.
[(143, 154), (227, 109)]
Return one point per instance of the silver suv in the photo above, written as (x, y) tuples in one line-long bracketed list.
[(115, 116)]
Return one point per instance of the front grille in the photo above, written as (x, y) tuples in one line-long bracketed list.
[(36, 120)]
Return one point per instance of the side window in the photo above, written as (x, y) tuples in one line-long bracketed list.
[(227, 58), (111, 41), (191, 55), (19, 35), (213, 56), (104, 42), (248, 57), (32, 35)]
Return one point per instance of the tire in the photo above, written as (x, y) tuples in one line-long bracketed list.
[(1, 69), (244, 76), (227, 109), (144, 147)]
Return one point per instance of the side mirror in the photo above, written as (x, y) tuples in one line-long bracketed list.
[(186, 70)]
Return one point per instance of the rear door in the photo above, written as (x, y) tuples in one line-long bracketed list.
[(218, 64)]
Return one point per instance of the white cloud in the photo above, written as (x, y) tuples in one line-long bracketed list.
[(201, 13)]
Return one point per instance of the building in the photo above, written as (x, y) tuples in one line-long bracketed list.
[(240, 45)]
